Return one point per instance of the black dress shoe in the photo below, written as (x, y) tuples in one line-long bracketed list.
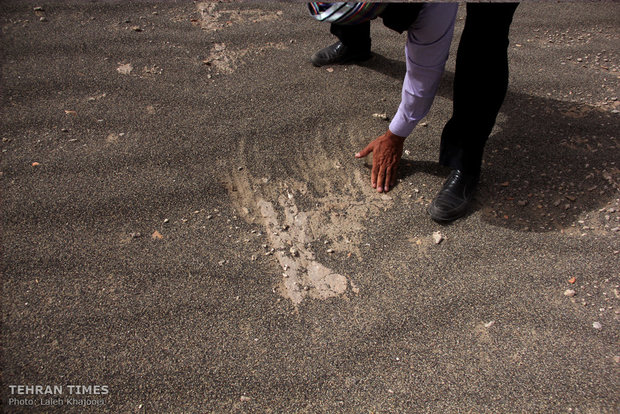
[(454, 197), (339, 53)]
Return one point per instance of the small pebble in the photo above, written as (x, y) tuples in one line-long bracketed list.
[(294, 252), (597, 325), (569, 292), (437, 237), (330, 250), (166, 220)]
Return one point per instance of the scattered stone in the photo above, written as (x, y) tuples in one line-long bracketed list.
[(253, 258), (437, 237), (245, 398), (489, 324), (125, 69), (382, 116), (522, 203), (423, 124), (166, 220), (239, 168), (136, 28), (156, 235), (43, 19), (597, 325), (39, 8), (294, 252), (570, 293), (221, 262), (209, 217), (617, 359), (135, 235), (330, 251)]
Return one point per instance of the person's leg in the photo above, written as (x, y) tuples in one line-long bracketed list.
[(480, 85), (354, 36), (353, 45)]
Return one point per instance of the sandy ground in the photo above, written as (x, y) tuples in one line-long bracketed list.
[(185, 229)]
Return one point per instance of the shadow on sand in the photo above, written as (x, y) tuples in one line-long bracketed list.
[(548, 164)]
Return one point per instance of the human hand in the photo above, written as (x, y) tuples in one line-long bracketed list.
[(387, 151)]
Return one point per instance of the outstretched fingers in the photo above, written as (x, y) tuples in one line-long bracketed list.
[(363, 153)]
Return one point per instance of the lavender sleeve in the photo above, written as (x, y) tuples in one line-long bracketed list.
[(426, 53)]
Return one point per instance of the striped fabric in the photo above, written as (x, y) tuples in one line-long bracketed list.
[(345, 12)]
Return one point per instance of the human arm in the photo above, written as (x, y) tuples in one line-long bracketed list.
[(426, 52)]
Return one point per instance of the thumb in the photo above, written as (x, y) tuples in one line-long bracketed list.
[(365, 151)]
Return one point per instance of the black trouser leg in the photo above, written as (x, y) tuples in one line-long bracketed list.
[(480, 84), (396, 16), (354, 36)]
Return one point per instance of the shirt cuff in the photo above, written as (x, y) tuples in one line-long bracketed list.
[(402, 125)]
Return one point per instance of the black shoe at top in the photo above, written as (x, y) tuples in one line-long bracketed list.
[(454, 197), (339, 53)]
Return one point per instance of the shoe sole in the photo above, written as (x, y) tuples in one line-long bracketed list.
[(341, 62), (447, 218)]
